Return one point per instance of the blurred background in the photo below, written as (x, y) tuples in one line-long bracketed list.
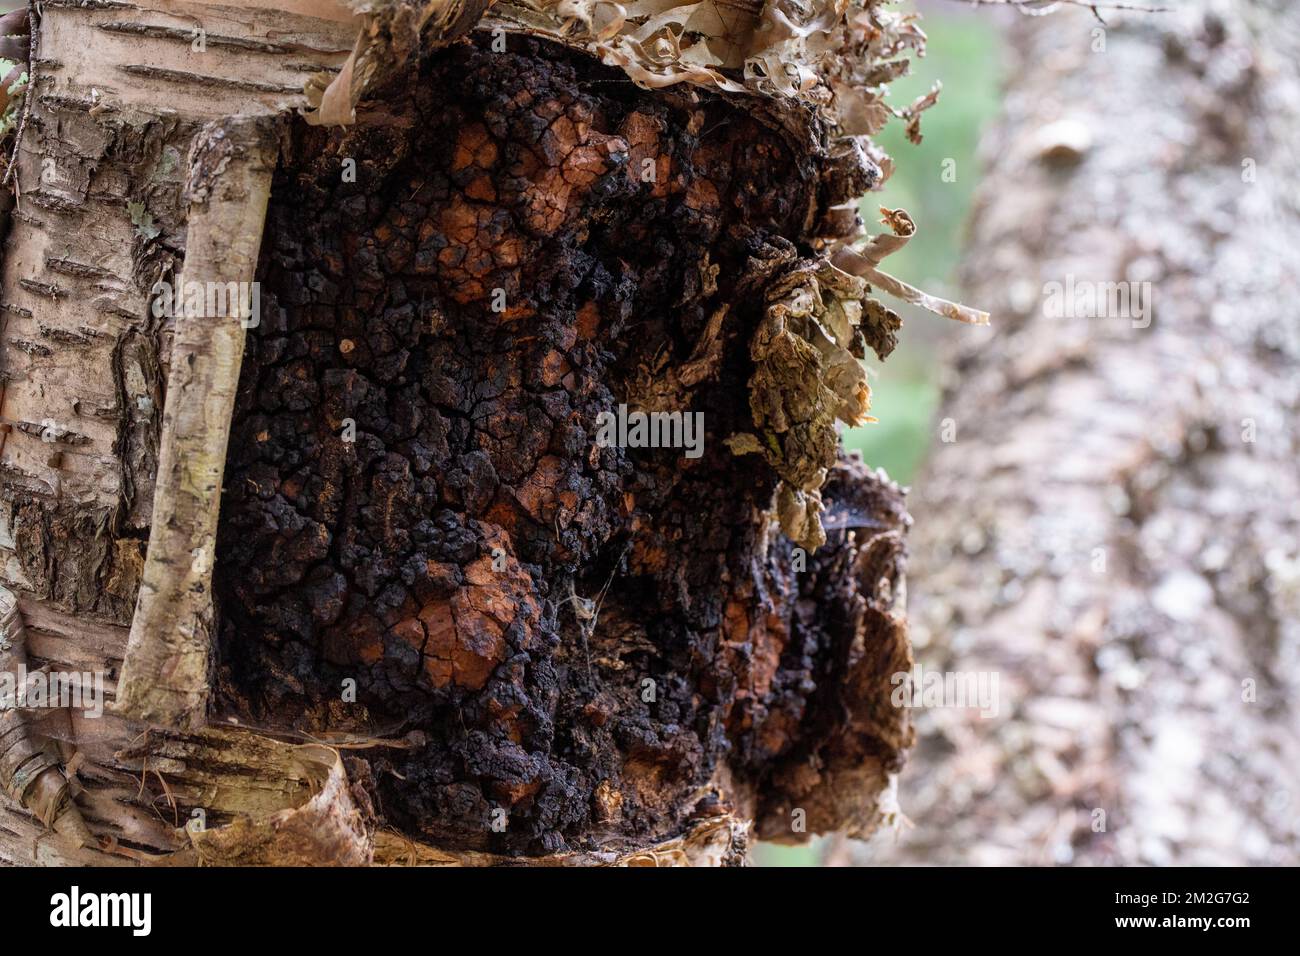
[(964, 53)]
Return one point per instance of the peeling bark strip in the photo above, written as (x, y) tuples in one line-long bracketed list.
[(165, 675), (292, 807)]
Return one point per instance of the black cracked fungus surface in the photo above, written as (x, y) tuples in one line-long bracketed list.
[(444, 559)]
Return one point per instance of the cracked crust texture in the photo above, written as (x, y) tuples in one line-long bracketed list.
[(602, 642)]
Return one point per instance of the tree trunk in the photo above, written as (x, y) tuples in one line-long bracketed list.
[(1114, 529), (415, 609)]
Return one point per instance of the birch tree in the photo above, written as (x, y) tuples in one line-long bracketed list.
[(309, 316)]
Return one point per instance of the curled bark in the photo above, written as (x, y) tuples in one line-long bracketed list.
[(391, 34), (29, 773)]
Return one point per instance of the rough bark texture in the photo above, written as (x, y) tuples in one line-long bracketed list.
[(1122, 668), (118, 95), (100, 220), (499, 588), (166, 675)]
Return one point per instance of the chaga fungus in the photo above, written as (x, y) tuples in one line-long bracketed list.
[(578, 646)]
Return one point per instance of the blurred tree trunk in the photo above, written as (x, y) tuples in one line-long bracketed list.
[(520, 644), (1114, 529)]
